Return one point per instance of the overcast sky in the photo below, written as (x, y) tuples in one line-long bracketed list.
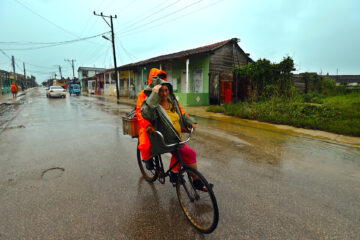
[(321, 35)]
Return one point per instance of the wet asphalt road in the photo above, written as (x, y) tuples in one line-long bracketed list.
[(67, 172)]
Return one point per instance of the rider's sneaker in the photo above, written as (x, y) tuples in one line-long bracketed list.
[(173, 177), (149, 164), (198, 184)]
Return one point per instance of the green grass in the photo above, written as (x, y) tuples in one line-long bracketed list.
[(338, 114)]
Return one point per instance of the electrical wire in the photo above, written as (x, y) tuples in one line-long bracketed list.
[(131, 56), (173, 19), (162, 17), (137, 20), (129, 5), (5, 54), (106, 56), (44, 18), (54, 44)]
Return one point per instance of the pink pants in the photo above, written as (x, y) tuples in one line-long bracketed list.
[(188, 156)]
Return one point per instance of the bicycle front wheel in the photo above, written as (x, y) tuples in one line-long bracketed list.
[(149, 176), (199, 206)]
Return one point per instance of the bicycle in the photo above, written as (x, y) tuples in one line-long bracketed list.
[(199, 206)]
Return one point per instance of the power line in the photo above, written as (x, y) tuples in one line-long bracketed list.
[(106, 55), (129, 5), (44, 18), (162, 17), (55, 43), (131, 56), (137, 20), (5, 54), (43, 67), (173, 19)]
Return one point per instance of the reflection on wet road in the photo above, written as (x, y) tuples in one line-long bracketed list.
[(69, 173)]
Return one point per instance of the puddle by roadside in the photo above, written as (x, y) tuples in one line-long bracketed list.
[(52, 173)]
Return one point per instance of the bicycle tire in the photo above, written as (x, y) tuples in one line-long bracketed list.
[(149, 176), (184, 182)]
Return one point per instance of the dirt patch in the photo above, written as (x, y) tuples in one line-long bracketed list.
[(13, 127)]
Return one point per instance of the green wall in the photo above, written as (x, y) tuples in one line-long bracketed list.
[(201, 61), (6, 83), (191, 99)]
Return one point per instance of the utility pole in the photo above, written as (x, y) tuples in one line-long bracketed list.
[(71, 61), (113, 45), (13, 65), (24, 70), (60, 71), (24, 83)]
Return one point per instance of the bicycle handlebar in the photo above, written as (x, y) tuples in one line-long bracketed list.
[(174, 144)]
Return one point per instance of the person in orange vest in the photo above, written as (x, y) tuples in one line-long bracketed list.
[(144, 141), (14, 89)]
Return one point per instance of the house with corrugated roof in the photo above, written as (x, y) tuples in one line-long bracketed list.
[(86, 75), (200, 76)]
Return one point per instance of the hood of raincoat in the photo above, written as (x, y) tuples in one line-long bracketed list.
[(154, 72), (13, 87), (155, 80)]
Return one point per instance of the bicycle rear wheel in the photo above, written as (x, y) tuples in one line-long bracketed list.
[(149, 176), (199, 206)]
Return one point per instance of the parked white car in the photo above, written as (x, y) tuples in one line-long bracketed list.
[(56, 91)]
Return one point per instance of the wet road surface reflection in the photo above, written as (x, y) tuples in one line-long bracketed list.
[(70, 173)]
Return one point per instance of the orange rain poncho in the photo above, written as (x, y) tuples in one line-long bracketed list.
[(144, 141), (14, 88)]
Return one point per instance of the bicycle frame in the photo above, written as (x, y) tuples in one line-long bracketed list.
[(158, 159), (160, 166)]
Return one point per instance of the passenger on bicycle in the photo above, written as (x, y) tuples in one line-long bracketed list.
[(144, 141), (166, 115)]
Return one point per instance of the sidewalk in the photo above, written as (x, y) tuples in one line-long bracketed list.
[(200, 111), (8, 98)]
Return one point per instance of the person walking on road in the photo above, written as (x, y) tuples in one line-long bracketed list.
[(14, 89)]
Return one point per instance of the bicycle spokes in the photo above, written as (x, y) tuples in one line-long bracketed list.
[(199, 206)]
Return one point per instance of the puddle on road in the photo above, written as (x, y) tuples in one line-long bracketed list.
[(52, 173)]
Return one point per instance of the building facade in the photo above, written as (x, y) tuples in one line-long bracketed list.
[(200, 76), (87, 74), (5, 82)]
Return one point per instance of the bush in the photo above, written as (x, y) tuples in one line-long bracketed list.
[(313, 97), (268, 79), (338, 114)]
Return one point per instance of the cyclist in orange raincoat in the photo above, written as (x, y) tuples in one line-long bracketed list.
[(144, 141)]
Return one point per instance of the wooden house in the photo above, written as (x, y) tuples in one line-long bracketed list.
[(200, 76)]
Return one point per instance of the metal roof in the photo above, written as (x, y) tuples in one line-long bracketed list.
[(183, 54), (91, 69)]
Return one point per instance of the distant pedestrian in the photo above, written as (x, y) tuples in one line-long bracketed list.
[(14, 90)]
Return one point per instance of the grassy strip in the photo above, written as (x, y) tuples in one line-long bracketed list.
[(338, 114)]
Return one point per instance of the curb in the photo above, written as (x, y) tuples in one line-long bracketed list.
[(110, 99)]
